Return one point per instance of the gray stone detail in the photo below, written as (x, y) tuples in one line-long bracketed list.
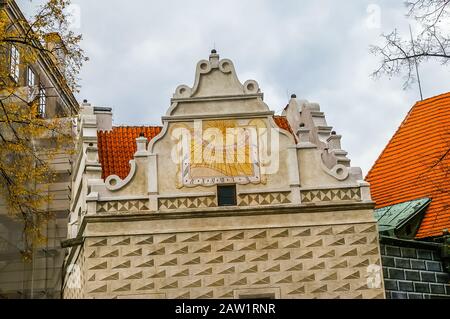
[(439, 297), (396, 273), (399, 295), (393, 251), (406, 286), (414, 295), (413, 275), (402, 263), (424, 254), (422, 287), (434, 266), (428, 276), (437, 289), (391, 284), (388, 261), (436, 256), (418, 264), (414, 272), (443, 278), (408, 252)]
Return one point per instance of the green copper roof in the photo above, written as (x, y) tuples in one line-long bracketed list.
[(392, 218)]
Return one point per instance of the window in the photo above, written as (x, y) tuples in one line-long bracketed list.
[(31, 77), (42, 101), (227, 195), (14, 63)]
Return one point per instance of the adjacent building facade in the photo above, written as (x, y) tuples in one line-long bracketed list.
[(41, 80), (225, 200), (411, 187)]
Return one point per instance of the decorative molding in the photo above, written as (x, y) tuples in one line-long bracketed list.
[(225, 66), (331, 195), (188, 195), (130, 206), (263, 199), (183, 118), (115, 183), (187, 202), (339, 172), (263, 191)]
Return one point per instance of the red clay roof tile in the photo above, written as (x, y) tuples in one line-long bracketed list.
[(416, 164), (117, 147), (283, 123)]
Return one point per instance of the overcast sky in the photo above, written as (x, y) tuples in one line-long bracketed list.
[(141, 50)]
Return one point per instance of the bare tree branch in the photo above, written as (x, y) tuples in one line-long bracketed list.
[(399, 56)]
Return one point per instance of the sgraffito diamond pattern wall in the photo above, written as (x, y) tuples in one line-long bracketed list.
[(308, 262), (187, 202), (122, 206), (331, 195), (74, 279), (264, 199)]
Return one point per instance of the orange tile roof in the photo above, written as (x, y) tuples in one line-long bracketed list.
[(416, 164), (117, 147), (283, 123)]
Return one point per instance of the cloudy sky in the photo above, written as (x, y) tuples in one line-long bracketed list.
[(141, 50)]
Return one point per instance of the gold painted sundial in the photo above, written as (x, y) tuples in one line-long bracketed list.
[(222, 152)]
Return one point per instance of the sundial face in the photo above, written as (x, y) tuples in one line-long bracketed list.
[(222, 152)]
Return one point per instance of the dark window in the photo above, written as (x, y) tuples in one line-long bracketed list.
[(31, 78), (227, 195), (14, 63), (42, 101)]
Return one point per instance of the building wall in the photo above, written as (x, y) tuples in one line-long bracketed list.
[(413, 271), (40, 278), (317, 261)]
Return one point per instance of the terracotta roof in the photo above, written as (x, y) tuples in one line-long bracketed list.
[(416, 164), (117, 147), (283, 123)]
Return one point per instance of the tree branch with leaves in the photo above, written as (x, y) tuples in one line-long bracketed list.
[(28, 142)]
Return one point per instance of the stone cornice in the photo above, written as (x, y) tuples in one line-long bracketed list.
[(223, 212), (182, 118)]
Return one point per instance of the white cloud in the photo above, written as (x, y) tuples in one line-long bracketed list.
[(142, 50)]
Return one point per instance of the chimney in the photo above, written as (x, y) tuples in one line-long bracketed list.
[(104, 118)]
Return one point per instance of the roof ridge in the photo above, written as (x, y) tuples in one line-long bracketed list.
[(136, 126), (439, 96), (418, 103)]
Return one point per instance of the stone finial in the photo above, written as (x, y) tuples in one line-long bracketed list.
[(141, 143), (92, 153), (214, 58)]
